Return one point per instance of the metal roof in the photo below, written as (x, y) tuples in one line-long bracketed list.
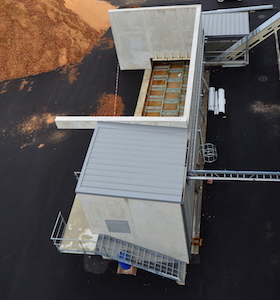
[(135, 161), (225, 24)]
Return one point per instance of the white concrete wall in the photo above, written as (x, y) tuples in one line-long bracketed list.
[(140, 33), (154, 225), (193, 66), (188, 202), (89, 122)]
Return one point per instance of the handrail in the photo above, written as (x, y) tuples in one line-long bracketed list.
[(58, 239)]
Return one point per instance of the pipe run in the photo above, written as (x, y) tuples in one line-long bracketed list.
[(217, 101)]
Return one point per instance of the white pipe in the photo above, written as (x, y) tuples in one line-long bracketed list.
[(216, 109), (239, 9), (221, 101), (211, 99), (278, 52)]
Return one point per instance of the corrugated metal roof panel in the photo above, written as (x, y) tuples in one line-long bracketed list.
[(226, 24), (135, 161)]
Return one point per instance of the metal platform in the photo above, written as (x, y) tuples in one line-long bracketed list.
[(240, 48), (111, 247), (141, 258)]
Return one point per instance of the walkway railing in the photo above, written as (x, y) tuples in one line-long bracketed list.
[(234, 175), (111, 247)]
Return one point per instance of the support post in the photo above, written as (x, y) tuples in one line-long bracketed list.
[(278, 52), (205, 83)]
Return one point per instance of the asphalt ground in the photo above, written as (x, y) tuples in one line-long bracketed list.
[(240, 257)]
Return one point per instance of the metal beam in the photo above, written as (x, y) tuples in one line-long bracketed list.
[(231, 175), (238, 9), (277, 51)]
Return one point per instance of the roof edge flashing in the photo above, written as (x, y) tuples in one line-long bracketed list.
[(155, 8)]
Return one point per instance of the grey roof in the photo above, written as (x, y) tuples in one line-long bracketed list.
[(135, 161), (225, 24)]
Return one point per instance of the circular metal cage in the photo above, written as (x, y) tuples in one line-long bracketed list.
[(209, 152)]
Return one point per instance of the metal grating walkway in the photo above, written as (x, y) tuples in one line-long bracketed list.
[(255, 37), (141, 258), (234, 175), (167, 89), (119, 250)]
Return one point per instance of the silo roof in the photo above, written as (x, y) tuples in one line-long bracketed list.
[(135, 161)]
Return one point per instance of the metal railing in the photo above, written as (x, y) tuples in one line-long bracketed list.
[(249, 41), (234, 175), (242, 58), (65, 245), (111, 247), (197, 102), (58, 230), (77, 174), (142, 258)]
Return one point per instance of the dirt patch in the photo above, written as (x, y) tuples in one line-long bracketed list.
[(110, 105), (133, 3), (30, 87), (269, 110), (26, 83), (42, 35), (34, 123), (71, 71), (72, 76), (105, 43), (4, 87), (38, 130), (23, 83)]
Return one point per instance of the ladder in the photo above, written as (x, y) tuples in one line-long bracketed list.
[(262, 32), (233, 175)]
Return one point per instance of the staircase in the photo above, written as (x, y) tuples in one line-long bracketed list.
[(141, 258), (111, 247)]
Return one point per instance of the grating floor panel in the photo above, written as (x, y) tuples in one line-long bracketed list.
[(168, 82)]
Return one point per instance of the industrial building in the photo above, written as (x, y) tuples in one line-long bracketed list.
[(135, 198), (135, 202)]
